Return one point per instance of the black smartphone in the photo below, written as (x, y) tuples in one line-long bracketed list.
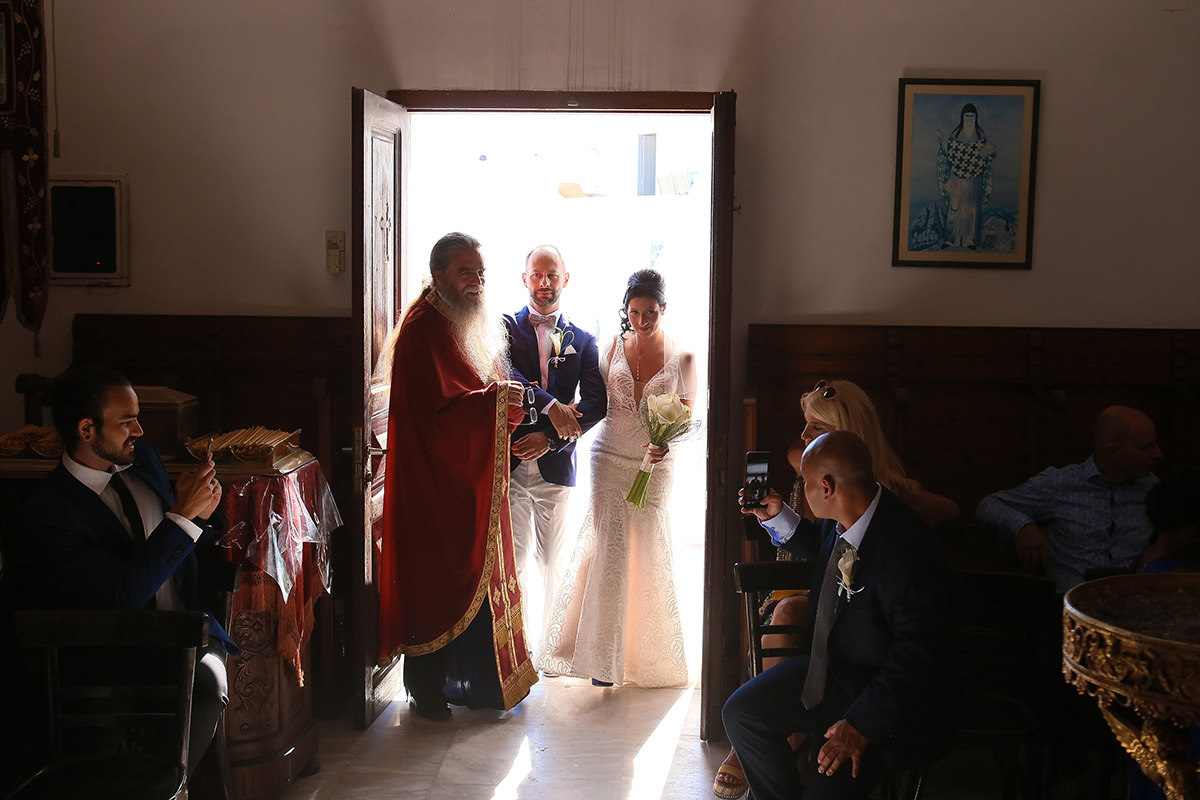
[(754, 485)]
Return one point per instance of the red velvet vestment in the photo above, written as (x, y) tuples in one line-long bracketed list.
[(447, 541)]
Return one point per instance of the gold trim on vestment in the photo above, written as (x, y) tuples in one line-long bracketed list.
[(505, 628)]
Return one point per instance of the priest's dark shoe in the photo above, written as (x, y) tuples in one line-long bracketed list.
[(431, 708)]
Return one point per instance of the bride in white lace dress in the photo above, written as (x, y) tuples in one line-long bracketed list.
[(615, 618)]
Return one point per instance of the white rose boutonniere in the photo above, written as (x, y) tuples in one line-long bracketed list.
[(847, 565)]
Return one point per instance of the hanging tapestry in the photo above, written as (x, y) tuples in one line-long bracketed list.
[(24, 200)]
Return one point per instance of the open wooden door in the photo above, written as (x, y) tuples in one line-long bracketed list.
[(720, 673), (381, 136), (380, 141)]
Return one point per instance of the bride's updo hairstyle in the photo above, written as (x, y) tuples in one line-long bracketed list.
[(643, 283)]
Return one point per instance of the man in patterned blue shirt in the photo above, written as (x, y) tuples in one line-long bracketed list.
[(1074, 518)]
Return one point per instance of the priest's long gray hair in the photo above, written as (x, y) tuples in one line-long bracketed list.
[(439, 256)]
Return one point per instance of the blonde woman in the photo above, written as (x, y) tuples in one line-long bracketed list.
[(843, 406)]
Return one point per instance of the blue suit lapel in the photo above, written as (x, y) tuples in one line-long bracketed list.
[(552, 369), (148, 468), (103, 521), (524, 347), (155, 478), (570, 334), (827, 548), (870, 540)]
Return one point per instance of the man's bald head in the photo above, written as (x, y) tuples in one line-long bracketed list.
[(838, 479), (1125, 444), (1116, 424), (842, 455)]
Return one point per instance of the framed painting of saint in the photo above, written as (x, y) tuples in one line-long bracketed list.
[(966, 152)]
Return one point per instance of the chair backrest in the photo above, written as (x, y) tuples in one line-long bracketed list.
[(757, 579), (116, 670)]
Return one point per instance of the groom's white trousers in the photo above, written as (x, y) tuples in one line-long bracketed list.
[(539, 523)]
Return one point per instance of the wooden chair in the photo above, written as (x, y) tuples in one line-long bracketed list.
[(134, 691), (757, 579)]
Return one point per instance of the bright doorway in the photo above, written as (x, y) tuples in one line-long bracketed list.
[(615, 192)]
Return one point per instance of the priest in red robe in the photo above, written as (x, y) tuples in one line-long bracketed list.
[(449, 598)]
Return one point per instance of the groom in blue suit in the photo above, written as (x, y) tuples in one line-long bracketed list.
[(872, 689), (563, 360), (105, 530)]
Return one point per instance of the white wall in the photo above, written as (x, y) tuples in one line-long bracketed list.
[(232, 120)]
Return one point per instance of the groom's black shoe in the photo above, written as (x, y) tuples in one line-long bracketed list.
[(432, 708)]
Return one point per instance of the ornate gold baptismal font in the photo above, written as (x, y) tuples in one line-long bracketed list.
[(1133, 643)]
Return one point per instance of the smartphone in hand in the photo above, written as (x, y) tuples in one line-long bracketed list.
[(754, 483)]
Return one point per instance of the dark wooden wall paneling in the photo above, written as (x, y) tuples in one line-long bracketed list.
[(974, 410), (281, 372)]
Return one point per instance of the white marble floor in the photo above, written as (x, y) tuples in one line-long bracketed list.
[(567, 741)]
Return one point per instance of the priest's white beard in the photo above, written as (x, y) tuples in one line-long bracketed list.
[(479, 335)]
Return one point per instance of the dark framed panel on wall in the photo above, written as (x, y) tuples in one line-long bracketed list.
[(90, 220), (8, 94), (966, 156)]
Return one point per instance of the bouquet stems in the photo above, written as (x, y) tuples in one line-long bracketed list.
[(641, 484)]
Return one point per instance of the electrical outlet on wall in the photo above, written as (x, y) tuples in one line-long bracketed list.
[(335, 251)]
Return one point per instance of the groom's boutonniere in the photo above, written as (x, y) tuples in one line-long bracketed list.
[(560, 340), (847, 565)]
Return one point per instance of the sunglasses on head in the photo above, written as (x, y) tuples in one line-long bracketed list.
[(830, 391)]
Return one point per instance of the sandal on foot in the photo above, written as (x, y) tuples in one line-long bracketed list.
[(730, 791)]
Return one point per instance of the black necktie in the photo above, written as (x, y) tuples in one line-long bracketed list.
[(818, 662), (129, 507)]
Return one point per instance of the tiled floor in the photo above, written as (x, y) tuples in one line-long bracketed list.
[(567, 741)]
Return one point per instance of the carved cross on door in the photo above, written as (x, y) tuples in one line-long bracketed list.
[(385, 225)]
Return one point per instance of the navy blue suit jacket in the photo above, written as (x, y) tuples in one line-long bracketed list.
[(578, 371), (887, 663), (85, 559)]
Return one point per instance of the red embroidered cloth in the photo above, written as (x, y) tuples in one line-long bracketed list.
[(278, 533)]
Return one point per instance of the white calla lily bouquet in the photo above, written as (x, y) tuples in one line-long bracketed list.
[(666, 419)]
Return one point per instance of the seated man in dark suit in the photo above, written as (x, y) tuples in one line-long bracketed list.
[(104, 529), (877, 631)]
